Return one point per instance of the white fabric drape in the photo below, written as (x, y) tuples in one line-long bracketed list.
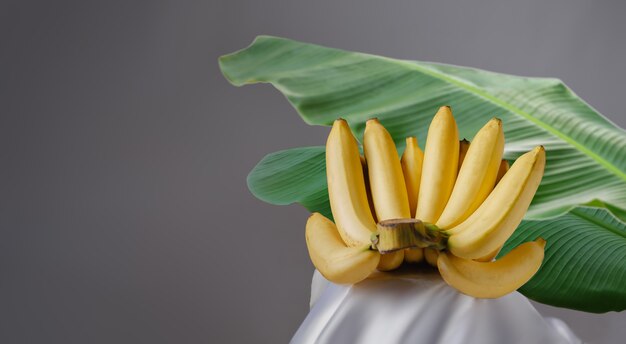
[(421, 308)]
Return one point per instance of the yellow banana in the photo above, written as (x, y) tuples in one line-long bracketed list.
[(346, 186), (477, 175), (337, 262), (441, 158), (493, 279), (411, 162), (413, 255), (497, 217), (477, 217), (504, 167), (463, 147), (431, 255), (390, 261), (491, 256), (389, 190), (368, 189), (387, 184)]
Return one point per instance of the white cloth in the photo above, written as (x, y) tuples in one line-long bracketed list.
[(421, 308)]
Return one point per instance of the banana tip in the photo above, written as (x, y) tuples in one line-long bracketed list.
[(541, 241), (340, 123), (444, 112), (539, 149), (373, 120)]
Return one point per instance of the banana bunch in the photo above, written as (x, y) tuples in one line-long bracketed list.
[(453, 205)]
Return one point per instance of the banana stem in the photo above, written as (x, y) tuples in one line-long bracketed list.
[(398, 234)]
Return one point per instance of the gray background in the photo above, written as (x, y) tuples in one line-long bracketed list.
[(124, 212)]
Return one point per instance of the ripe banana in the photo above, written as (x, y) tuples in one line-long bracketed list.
[(337, 262), (504, 167), (413, 255), (389, 190), (411, 162), (451, 185), (390, 261), (477, 175), (463, 147), (491, 256), (497, 217), (431, 255), (387, 184), (346, 186), (441, 158), (493, 279), (368, 189)]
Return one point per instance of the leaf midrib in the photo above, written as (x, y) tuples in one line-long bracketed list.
[(513, 109)]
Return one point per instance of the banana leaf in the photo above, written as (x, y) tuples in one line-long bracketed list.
[(579, 207), (585, 262)]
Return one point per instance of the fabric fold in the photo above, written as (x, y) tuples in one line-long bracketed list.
[(419, 307)]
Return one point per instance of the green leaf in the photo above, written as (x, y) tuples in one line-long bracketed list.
[(272, 180), (586, 159), (585, 263), (617, 212)]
